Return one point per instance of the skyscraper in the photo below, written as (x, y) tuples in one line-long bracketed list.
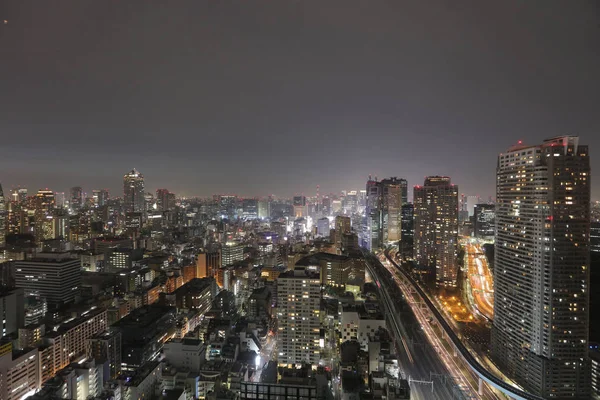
[(300, 209), (541, 274), (76, 199), (3, 226), (372, 227), (299, 298), (393, 195), (408, 230), (484, 221), (43, 205), (133, 191), (436, 227), (343, 226), (100, 197), (383, 212)]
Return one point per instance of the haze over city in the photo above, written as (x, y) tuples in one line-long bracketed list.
[(299, 200), (266, 97)]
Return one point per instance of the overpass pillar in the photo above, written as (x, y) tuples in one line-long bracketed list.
[(480, 391)]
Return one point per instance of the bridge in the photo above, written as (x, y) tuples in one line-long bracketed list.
[(480, 371)]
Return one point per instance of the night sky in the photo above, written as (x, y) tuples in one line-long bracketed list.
[(258, 97)]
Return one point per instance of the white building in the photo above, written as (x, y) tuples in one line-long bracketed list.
[(359, 324), (185, 354), (299, 297), (19, 374)]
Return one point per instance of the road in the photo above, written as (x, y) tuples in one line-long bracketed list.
[(417, 358), (480, 280), (267, 353)]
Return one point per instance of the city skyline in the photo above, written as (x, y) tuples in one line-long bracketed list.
[(264, 103)]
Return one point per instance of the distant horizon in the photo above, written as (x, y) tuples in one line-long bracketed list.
[(278, 97)]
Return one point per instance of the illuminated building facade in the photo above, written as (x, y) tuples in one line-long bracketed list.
[(19, 373), (133, 191), (299, 298), (3, 221), (300, 209), (484, 221), (541, 274), (53, 276), (436, 227)]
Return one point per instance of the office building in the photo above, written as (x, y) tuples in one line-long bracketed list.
[(12, 310), (343, 226), (407, 230), (264, 209), (383, 213), (323, 227), (100, 197), (300, 209), (484, 225), (472, 201), (436, 227), (372, 237), (53, 276), (76, 198), (143, 333), (187, 354), (250, 208), (207, 263), (299, 297), (133, 191), (232, 253), (541, 272)]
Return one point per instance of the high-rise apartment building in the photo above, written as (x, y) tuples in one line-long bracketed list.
[(299, 299), (20, 373), (541, 273), (53, 276), (264, 209), (106, 346), (133, 191), (436, 227), (3, 225), (43, 206)]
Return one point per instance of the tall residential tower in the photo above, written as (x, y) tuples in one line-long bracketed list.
[(436, 227), (541, 274)]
